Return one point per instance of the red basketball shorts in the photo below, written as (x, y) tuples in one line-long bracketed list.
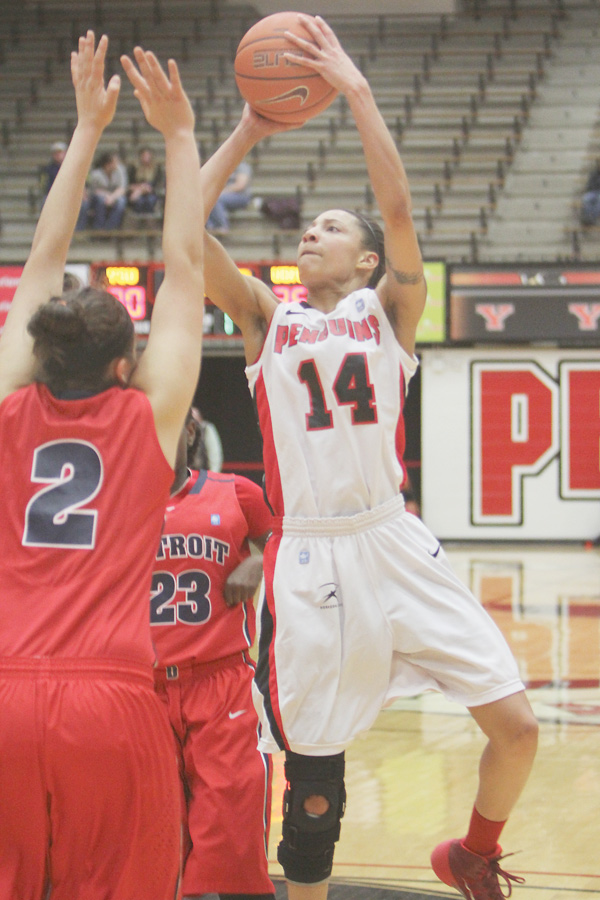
[(227, 781), (88, 783)]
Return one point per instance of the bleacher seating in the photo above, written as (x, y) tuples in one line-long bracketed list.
[(494, 111)]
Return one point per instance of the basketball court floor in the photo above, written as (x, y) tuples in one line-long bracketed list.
[(412, 779)]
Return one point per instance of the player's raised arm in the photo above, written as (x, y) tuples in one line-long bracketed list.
[(169, 369), (402, 290), (250, 130), (248, 301), (42, 276)]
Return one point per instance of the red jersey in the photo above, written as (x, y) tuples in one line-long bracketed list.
[(80, 524), (207, 527)]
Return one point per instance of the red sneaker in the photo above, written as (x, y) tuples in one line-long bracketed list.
[(475, 876)]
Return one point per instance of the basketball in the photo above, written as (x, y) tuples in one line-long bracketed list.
[(274, 87)]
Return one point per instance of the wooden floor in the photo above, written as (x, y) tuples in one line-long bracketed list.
[(411, 780)]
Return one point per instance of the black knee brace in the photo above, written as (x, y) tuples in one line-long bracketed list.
[(306, 851)]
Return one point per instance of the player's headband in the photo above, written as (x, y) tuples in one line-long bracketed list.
[(367, 225)]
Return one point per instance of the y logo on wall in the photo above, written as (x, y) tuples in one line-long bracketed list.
[(522, 419)]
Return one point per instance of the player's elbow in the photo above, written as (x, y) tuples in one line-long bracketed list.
[(399, 208), (187, 254)]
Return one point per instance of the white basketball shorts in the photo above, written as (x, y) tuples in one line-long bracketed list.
[(356, 612)]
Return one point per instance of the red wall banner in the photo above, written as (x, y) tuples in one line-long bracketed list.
[(511, 443)]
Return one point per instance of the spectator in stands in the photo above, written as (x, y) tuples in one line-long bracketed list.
[(209, 449), (49, 172), (146, 182), (590, 202), (236, 195), (108, 192)]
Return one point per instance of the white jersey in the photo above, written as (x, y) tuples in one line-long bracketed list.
[(359, 604), (329, 389)]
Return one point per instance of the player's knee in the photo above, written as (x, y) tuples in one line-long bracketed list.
[(313, 805), (525, 733), (316, 805), (520, 733)]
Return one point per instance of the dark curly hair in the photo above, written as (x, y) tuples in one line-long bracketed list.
[(372, 235), (76, 336)]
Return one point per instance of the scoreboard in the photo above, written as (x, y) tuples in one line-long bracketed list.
[(504, 304), (133, 285), (467, 305), (136, 286)]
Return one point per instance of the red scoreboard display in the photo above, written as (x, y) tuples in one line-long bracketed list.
[(136, 286), (133, 285)]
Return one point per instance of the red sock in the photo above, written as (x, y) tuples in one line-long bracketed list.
[(483, 834)]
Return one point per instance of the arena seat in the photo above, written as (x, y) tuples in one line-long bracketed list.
[(489, 108)]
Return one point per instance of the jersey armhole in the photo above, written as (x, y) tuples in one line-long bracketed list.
[(253, 368)]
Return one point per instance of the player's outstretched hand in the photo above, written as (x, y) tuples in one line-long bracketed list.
[(162, 97), (96, 104), (328, 57)]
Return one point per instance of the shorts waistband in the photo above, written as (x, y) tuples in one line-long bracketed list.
[(56, 667), (340, 525), (192, 669)]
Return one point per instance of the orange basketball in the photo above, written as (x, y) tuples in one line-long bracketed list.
[(276, 88)]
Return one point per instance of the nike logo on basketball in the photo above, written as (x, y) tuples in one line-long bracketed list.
[(301, 92), (234, 715)]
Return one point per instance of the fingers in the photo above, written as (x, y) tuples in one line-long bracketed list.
[(95, 102), (149, 77), (97, 61), (152, 70), (86, 46), (142, 58), (76, 58), (299, 41), (322, 35), (74, 69), (326, 29), (87, 62), (318, 27), (309, 50), (139, 75), (112, 94), (302, 60), (160, 93), (313, 48), (174, 76), (132, 73), (85, 53), (233, 595)]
